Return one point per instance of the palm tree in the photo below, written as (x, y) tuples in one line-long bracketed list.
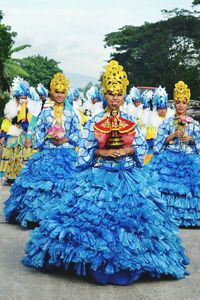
[(12, 66)]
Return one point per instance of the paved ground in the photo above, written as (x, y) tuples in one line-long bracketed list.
[(20, 283)]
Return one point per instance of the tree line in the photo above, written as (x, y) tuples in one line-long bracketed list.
[(152, 54), (161, 53)]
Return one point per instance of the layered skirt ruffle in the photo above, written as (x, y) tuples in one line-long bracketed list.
[(113, 226), (179, 184), (40, 185)]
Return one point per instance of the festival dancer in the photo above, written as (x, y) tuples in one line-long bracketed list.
[(94, 103), (135, 107), (16, 130), (77, 104), (178, 162), (162, 112), (44, 178), (112, 224)]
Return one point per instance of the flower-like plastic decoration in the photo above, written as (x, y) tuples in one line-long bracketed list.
[(183, 120), (134, 94), (59, 84), (160, 97), (34, 95), (56, 132), (76, 93), (147, 98), (114, 79), (42, 91), (20, 88), (93, 93), (181, 92)]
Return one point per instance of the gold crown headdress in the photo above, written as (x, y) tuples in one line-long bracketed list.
[(181, 92), (59, 84), (114, 79)]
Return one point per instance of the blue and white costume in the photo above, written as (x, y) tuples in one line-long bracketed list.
[(113, 225), (133, 97), (93, 103), (178, 167), (42, 181)]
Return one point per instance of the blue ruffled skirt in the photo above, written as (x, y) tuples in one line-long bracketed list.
[(179, 184), (40, 185), (113, 226)]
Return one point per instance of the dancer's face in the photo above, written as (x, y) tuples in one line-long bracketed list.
[(181, 106), (162, 112), (114, 101), (94, 100), (137, 103), (22, 99), (59, 97)]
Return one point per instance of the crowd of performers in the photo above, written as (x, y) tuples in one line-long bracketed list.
[(105, 182)]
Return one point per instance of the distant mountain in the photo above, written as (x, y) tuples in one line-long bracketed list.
[(80, 81)]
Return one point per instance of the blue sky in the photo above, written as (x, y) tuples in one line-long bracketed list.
[(72, 32)]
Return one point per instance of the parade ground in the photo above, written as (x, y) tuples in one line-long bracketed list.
[(21, 283)]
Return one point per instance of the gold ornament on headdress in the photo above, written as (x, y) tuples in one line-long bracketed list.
[(181, 92), (114, 79), (59, 84)]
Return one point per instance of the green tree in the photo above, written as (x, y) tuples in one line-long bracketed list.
[(12, 67), (160, 53), (4, 97), (40, 69), (6, 43), (195, 2)]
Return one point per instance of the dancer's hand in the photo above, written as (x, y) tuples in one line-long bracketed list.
[(176, 134), (106, 152), (27, 143), (57, 142), (114, 152), (2, 140), (125, 151), (187, 139)]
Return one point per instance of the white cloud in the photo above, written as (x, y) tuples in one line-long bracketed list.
[(74, 36)]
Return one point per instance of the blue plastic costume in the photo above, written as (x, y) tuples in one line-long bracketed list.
[(112, 223), (178, 167), (43, 178), (43, 93), (113, 226), (94, 103), (178, 161), (133, 104), (41, 182)]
